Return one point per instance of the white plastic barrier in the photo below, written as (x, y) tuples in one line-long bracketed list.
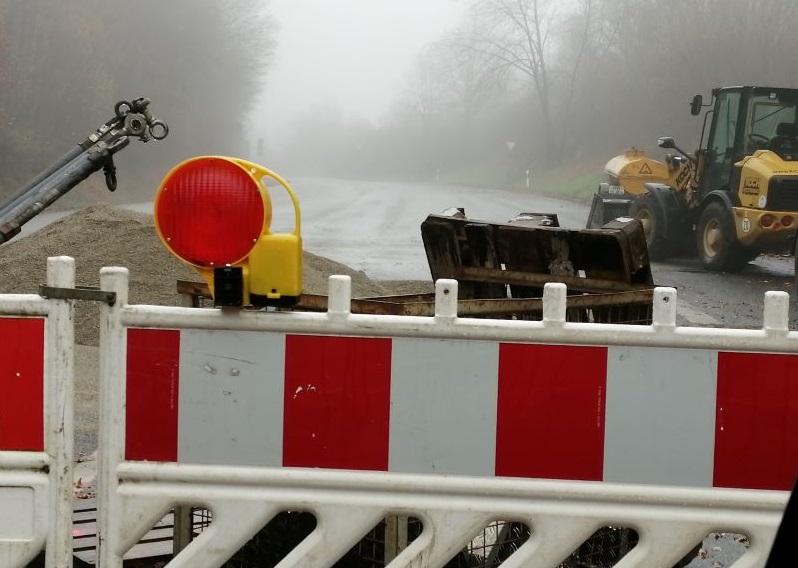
[(36, 447), (232, 409)]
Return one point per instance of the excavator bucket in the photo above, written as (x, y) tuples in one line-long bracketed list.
[(514, 260), (608, 204)]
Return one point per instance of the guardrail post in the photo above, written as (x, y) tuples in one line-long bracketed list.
[(664, 309), (554, 302), (395, 536), (183, 529), (113, 354), (339, 294), (777, 312), (446, 292), (183, 514), (59, 365)]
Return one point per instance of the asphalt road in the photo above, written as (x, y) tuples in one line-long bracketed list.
[(724, 299), (375, 227)]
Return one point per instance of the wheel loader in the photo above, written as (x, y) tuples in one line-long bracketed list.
[(732, 199)]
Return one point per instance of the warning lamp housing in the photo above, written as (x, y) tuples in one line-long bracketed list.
[(215, 213)]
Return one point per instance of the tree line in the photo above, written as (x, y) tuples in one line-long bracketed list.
[(63, 66), (517, 85), (541, 84)]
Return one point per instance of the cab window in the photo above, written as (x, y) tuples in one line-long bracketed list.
[(765, 115), (721, 144)]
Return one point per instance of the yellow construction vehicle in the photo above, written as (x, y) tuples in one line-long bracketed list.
[(733, 198)]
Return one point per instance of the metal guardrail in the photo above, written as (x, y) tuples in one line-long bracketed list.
[(631, 306)]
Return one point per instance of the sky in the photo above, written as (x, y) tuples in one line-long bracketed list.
[(352, 53)]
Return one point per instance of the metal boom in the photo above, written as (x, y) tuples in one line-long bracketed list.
[(131, 119)]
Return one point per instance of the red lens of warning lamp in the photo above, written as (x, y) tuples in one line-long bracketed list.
[(215, 213), (787, 221), (210, 212)]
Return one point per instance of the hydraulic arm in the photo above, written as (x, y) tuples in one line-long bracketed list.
[(132, 119)]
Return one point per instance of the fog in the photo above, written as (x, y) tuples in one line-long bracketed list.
[(450, 91), (349, 54)]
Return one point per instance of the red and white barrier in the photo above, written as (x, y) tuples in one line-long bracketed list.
[(265, 412), (36, 455), (259, 410), (693, 417)]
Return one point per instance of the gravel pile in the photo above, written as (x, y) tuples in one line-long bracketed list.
[(103, 235)]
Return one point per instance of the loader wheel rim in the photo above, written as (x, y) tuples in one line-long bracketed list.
[(713, 238)]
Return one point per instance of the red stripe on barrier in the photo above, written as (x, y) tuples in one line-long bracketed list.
[(756, 422), (153, 359), (552, 401), (22, 384), (337, 402)]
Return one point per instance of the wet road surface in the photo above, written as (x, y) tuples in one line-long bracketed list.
[(375, 227)]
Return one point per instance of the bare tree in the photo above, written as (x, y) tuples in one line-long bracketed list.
[(547, 44), (586, 35), (517, 33), (66, 64), (423, 88), (469, 77)]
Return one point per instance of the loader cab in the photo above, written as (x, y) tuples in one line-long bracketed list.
[(745, 120)]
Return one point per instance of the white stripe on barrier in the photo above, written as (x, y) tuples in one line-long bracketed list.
[(443, 406), (660, 416), (234, 408)]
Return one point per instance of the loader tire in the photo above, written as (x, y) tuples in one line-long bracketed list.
[(717, 243), (646, 209)]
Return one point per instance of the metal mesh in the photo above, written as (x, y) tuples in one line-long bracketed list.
[(274, 541), (371, 550), (604, 549), (495, 543), (498, 540), (201, 519), (637, 314)]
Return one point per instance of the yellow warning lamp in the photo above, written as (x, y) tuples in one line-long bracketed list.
[(215, 214)]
